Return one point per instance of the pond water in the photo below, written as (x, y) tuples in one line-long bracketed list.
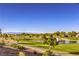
[(68, 42)]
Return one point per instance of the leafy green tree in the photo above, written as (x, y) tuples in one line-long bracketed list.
[(62, 34), (0, 31), (52, 43), (45, 39), (5, 36), (72, 34), (56, 34)]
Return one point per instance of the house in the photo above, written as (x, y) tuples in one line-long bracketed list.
[(77, 35)]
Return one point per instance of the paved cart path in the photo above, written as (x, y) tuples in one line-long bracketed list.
[(41, 50)]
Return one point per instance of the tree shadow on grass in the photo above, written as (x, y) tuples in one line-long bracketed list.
[(76, 53)]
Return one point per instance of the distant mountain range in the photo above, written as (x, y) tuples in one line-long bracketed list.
[(19, 32), (12, 32)]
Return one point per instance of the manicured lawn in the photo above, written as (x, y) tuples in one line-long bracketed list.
[(30, 42), (64, 47), (71, 48), (68, 47)]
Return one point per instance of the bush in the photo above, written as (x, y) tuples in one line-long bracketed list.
[(21, 53), (14, 45), (21, 48), (48, 53), (2, 44), (18, 47)]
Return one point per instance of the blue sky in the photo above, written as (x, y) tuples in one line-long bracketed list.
[(39, 17)]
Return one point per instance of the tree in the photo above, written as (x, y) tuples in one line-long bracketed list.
[(56, 34), (62, 34), (52, 43), (5, 36), (0, 31), (45, 39), (72, 34)]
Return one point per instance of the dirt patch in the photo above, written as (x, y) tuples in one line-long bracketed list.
[(4, 51)]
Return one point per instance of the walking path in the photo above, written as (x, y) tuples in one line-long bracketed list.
[(41, 50)]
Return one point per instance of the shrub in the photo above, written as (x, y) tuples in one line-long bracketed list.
[(18, 47), (21, 48), (21, 53), (14, 45), (2, 44), (48, 53)]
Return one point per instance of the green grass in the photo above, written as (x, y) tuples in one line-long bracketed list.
[(64, 47), (42, 46), (71, 48), (73, 38), (61, 47), (68, 47), (30, 42), (2, 44)]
